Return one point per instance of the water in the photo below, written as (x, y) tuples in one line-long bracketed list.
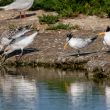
[(49, 89)]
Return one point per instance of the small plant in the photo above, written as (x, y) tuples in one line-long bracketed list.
[(48, 19), (60, 26), (76, 27), (12, 27)]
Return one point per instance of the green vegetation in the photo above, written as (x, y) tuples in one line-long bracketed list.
[(12, 26), (60, 26), (67, 8), (48, 19), (4, 2)]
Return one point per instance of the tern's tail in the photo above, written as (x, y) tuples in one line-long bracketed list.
[(94, 38), (90, 40)]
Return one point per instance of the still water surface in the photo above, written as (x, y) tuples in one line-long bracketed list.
[(49, 89)]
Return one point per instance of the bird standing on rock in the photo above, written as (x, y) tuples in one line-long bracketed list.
[(78, 43), (8, 36), (19, 5), (20, 43)]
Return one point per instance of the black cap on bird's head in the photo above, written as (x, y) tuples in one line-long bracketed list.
[(69, 36), (107, 29)]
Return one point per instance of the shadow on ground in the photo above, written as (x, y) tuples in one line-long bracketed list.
[(87, 53), (27, 15)]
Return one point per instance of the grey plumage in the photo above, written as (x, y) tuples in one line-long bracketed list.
[(19, 5), (79, 43), (20, 42)]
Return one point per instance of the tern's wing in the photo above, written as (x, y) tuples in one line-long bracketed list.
[(4, 34), (27, 37), (8, 33), (18, 5), (5, 41), (20, 31), (4, 37), (17, 39)]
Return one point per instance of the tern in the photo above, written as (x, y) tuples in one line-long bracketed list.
[(19, 5), (106, 35), (8, 36), (20, 43), (78, 43)]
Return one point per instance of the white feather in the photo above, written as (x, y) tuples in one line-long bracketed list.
[(78, 43), (26, 41), (107, 38)]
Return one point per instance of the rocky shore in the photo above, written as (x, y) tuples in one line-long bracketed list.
[(50, 43)]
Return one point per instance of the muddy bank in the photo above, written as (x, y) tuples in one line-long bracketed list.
[(50, 43), (43, 73)]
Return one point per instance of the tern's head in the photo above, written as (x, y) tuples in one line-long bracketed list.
[(69, 36)]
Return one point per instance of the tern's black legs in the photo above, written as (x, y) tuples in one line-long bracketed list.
[(78, 53), (22, 15), (18, 57)]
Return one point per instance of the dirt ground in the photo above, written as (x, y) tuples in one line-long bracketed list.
[(51, 42)]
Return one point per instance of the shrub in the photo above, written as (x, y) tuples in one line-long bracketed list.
[(67, 8), (48, 19), (5, 2)]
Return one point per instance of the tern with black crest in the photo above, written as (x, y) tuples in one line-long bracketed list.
[(78, 43)]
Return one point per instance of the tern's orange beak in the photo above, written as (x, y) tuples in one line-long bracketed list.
[(65, 46), (101, 34)]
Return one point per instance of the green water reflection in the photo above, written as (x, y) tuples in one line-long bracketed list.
[(50, 89)]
